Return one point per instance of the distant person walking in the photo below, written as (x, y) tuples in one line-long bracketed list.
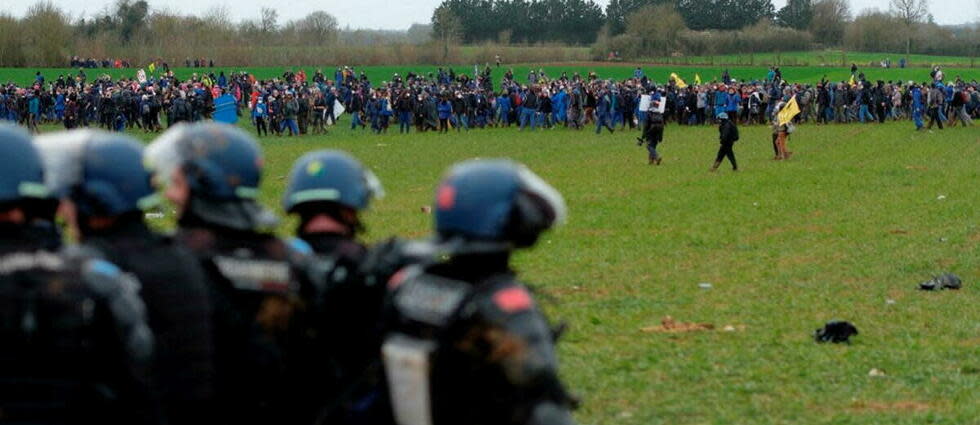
[(728, 135), (653, 131), (935, 101)]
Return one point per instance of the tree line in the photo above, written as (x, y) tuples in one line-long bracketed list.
[(642, 29), (667, 27)]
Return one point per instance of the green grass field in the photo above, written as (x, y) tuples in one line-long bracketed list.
[(846, 229), (659, 73), (822, 58)]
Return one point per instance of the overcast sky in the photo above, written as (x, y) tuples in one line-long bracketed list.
[(400, 14)]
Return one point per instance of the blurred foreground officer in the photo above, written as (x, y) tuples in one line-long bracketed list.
[(212, 172), (464, 343), (76, 346), (328, 190), (105, 189)]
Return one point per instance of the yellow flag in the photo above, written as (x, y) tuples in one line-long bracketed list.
[(697, 79), (789, 111), (152, 67), (853, 82), (677, 80)]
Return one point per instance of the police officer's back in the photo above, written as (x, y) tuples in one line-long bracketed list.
[(106, 189), (328, 190), (76, 346), (464, 342), (254, 278)]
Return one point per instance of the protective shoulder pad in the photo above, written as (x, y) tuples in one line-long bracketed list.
[(120, 293), (500, 299), (427, 298)]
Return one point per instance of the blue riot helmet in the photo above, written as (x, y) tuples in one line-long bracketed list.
[(497, 202), (22, 175), (222, 166), (101, 173), (331, 176)]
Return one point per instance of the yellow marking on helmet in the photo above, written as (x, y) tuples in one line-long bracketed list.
[(314, 168)]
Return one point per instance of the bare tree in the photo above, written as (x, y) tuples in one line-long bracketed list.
[(270, 20), (911, 13), (830, 18), (447, 28), (317, 28)]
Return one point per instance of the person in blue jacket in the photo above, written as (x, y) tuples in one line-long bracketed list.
[(721, 100), (559, 105), (917, 107), (603, 112), (503, 109), (734, 99), (59, 106), (34, 110), (445, 109), (384, 112), (260, 117)]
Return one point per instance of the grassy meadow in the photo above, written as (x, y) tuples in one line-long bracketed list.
[(846, 229), (605, 70), (822, 58)]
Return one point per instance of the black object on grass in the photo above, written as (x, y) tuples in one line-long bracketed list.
[(943, 281), (835, 331)]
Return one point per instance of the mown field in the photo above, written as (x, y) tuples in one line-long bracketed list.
[(605, 70), (846, 230), (822, 58)]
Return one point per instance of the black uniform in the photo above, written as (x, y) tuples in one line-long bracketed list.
[(468, 332), (728, 135), (76, 345), (179, 313), (347, 312), (262, 338)]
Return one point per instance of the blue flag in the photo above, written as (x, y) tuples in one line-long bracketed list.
[(225, 109)]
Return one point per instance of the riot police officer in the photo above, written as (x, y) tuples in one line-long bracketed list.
[(212, 172), (76, 345), (106, 190), (463, 341), (327, 190)]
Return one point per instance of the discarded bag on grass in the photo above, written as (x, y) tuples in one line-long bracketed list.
[(943, 281), (836, 331)]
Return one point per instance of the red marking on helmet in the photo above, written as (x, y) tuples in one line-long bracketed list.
[(447, 197), (513, 300), (397, 279)]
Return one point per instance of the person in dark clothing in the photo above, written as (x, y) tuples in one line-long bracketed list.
[(76, 345), (483, 353), (327, 190), (653, 130), (258, 284), (405, 107), (107, 191), (728, 133)]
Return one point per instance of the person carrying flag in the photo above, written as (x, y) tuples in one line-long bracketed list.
[(784, 119)]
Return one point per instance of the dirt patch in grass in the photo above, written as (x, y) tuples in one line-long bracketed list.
[(896, 406), (669, 325)]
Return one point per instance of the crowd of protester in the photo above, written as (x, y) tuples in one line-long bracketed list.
[(296, 104), (90, 63)]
